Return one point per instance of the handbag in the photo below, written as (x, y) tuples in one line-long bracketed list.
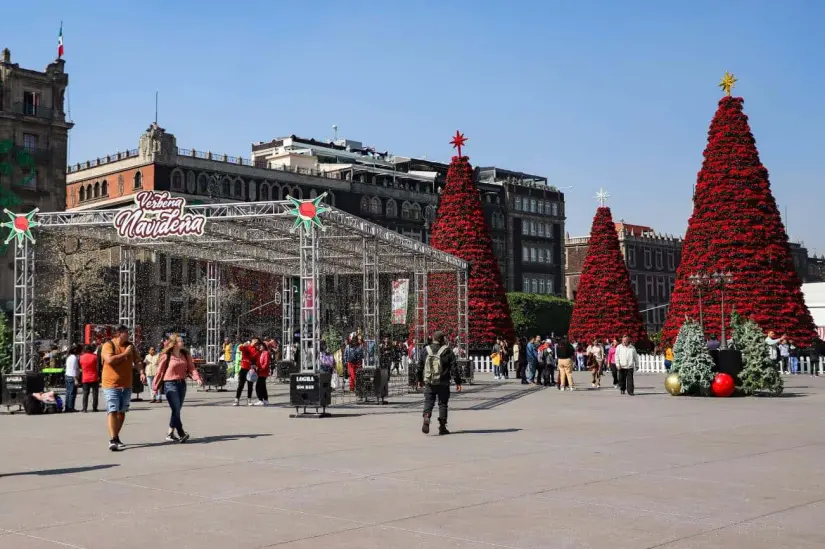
[(252, 376), (335, 381)]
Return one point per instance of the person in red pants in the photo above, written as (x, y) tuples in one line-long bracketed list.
[(354, 357)]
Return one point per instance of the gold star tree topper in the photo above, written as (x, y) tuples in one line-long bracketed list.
[(727, 83)]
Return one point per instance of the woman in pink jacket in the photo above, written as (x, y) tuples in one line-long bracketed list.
[(611, 360), (174, 366)]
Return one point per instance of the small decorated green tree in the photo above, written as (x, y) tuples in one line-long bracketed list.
[(692, 361), (5, 344), (759, 375)]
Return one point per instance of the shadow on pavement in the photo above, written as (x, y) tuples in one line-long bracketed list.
[(200, 440), (484, 431), (66, 471)]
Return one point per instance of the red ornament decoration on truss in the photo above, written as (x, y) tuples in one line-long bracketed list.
[(458, 141), (306, 212), (20, 226)]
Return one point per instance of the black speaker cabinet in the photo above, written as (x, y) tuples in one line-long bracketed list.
[(466, 368), (310, 390), (729, 362), (16, 386), (285, 369)]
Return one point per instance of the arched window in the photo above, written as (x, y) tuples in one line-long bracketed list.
[(203, 184), (429, 213), (377, 208), (82, 193), (97, 189), (226, 186), (405, 210), (415, 211), (365, 204), (89, 192), (330, 198), (297, 193), (138, 180), (104, 188), (265, 190), (392, 208), (177, 180), (237, 188)]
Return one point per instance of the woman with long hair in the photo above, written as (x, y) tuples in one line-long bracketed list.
[(151, 362), (174, 366), (90, 377), (249, 354), (263, 370)]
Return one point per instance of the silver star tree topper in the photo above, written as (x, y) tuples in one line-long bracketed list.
[(602, 197)]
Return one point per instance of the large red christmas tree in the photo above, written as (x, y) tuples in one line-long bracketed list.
[(605, 305), (461, 230), (736, 228)]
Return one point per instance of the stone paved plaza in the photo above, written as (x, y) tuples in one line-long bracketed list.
[(523, 468)]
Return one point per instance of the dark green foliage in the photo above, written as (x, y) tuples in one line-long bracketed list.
[(692, 361), (759, 375), (535, 314), (5, 344)]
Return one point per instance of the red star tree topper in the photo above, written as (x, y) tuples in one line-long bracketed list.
[(461, 229), (605, 305), (736, 227)]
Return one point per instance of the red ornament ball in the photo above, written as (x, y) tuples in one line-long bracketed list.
[(723, 385), (307, 209), (21, 223)]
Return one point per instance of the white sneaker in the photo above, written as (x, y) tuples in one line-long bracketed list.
[(236, 403), (249, 402), (259, 403)]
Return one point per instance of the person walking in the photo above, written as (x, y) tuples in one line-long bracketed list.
[(566, 354), (90, 377), (611, 361), (353, 356), (151, 362), (532, 359), (263, 370), (595, 359), (174, 366), (119, 360), (626, 362), (520, 358), (438, 366), (72, 376), (668, 357), (249, 353)]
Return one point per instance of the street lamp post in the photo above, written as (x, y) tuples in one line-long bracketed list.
[(700, 281), (722, 279)]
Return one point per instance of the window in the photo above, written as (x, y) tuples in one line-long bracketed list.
[(429, 213), (138, 180), (533, 207), (661, 288), (237, 188), (376, 207), (97, 189), (177, 181), (31, 101), (30, 142), (534, 286), (177, 271), (540, 255), (191, 186), (631, 256), (82, 193), (634, 282), (648, 258), (550, 289), (649, 287), (365, 204), (104, 188), (518, 203), (392, 208), (415, 211), (548, 256), (524, 226), (405, 210), (659, 260), (671, 260), (525, 284), (541, 285), (541, 207), (554, 207), (525, 255), (533, 255)]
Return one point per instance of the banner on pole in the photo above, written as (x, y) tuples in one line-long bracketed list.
[(400, 295)]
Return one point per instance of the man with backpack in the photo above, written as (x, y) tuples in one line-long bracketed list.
[(438, 366)]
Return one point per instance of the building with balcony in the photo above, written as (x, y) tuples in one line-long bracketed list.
[(651, 259), (33, 145)]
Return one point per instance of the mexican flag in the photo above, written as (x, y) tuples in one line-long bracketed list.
[(60, 42)]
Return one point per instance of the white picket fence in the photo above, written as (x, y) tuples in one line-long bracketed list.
[(648, 364)]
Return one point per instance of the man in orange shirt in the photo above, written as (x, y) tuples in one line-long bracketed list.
[(119, 359)]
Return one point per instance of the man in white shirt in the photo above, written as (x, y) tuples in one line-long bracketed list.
[(72, 376), (773, 348), (626, 362)]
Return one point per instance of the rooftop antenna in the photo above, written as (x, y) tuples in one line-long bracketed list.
[(335, 132), (156, 107)]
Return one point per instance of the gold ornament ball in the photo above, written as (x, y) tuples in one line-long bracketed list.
[(673, 384)]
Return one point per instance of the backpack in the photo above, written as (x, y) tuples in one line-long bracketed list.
[(432, 365)]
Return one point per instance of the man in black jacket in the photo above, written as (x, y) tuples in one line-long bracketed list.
[(437, 365)]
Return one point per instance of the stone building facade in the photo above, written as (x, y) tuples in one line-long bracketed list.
[(651, 259), (34, 134)]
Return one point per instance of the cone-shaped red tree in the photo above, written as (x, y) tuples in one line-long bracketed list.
[(736, 227), (461, 229), (605, 305)]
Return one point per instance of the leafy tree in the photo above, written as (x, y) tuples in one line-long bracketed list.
[(759, 375), (5, 344), (692, 361), (539, 314)]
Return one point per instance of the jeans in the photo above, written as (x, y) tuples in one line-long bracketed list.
[(626, 380), (496, 371), (242, 373), (668, 364), (615, 373), (118, 399), (260, 389), (175, 395), (530, 375), (431, 392), (794, 364), (90, 388), (71, 392)]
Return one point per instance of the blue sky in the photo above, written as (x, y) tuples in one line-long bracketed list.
[(590, 94)]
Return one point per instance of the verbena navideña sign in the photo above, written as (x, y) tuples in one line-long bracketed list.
[(157, 214)]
